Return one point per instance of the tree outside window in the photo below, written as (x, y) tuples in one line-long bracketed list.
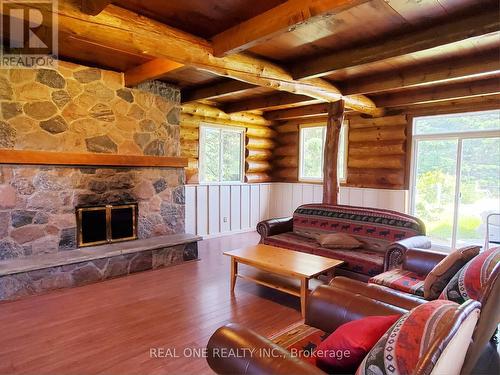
[(312, 143), (221, 154)]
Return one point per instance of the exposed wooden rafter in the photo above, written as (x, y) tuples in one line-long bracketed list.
[(214, 91), (298, 112), (284, 18), (269, 102), (94, 7), (430, 37), (127, 31), (475, 103), (410, 97), (151, 70), (448, 91), (450, 69)]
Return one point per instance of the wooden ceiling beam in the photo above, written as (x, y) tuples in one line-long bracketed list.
[(448, 91), (214, 91), (471, 104), (153, 69), (451, 69), (445, 33), (283, 18), (269, 102), (94, 7), (127, 31), (305, 111)]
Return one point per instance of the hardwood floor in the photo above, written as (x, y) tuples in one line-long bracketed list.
[(110, 327)]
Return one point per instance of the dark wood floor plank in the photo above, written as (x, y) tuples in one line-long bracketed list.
[(109, 327)]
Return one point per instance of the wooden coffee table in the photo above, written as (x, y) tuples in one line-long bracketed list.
[(283, 262)]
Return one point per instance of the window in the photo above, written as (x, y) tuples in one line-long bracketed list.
[(312, 145), (456, 175), (221, 154)]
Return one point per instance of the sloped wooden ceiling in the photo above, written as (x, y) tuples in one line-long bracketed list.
[(378, 48)]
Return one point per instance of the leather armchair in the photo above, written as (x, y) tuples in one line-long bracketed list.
[(272, 227), (396, 251)]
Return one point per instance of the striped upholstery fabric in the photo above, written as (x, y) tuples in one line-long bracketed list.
[(375, 227), (301, 339), (399, 279), (403, 347)]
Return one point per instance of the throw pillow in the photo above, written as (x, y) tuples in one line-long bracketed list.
[(471, 281), (344, 350), (442, 273), (338, 241)]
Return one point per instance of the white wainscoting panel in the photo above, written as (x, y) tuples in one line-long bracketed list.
[(214, 210)]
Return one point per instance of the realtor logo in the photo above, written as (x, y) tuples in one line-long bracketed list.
[(29, 34)]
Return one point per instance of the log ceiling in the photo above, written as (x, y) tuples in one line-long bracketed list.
[(288, 59)]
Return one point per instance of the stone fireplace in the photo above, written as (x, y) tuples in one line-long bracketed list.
[(83, 110)]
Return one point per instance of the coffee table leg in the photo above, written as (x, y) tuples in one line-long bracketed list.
[(304, 292), (234, 272)]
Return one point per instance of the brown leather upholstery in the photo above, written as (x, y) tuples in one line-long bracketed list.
[(377, 292), (394, 255), (421, 261), (273, 227), (253, 354), (329, 308), (233, 349)]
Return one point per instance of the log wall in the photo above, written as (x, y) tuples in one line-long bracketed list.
[(377, 152), (286, 154), (259, 140)]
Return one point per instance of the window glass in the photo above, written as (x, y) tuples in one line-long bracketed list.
[(311, 152), (221, 154)]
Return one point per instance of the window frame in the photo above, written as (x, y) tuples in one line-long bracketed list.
[(452, 135), (201, 153), (345, 129)]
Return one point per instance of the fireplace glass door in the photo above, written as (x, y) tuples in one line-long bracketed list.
[(106, 224)]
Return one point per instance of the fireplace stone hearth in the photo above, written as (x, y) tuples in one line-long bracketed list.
[(33, 275)]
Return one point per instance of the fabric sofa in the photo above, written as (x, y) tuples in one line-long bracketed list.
[(386, 235)]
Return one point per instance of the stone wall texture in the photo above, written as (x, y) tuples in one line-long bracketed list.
[(81, 109)]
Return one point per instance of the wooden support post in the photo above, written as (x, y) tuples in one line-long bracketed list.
[(330, 178)]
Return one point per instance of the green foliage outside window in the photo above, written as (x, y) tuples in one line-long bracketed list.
[(220, 155)]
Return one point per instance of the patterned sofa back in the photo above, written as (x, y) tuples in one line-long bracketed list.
[(377, 228)]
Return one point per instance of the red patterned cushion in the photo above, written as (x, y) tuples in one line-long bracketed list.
[(405, 281), (470, 282), (377, 228), (362, 261), (402, 346)]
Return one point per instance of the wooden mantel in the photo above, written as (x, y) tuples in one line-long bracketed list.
[(90, 159)]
